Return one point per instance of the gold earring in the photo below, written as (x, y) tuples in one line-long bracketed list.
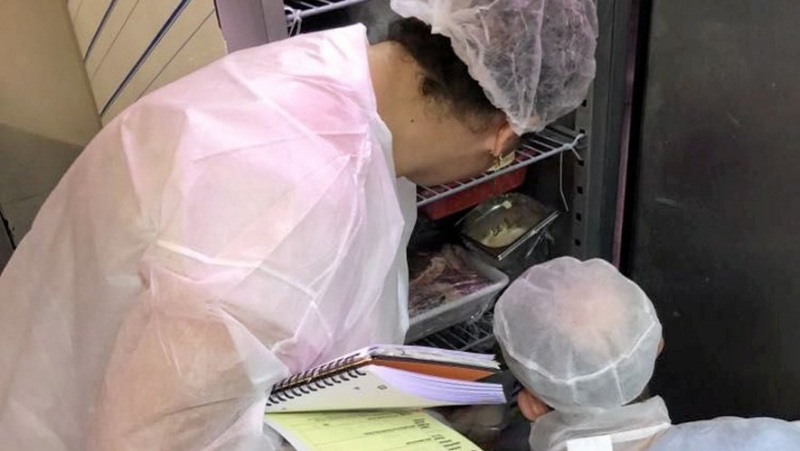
[(501, 162)]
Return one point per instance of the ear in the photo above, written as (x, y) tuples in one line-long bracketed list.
[(500, 139), (531, 407), (660, 346)]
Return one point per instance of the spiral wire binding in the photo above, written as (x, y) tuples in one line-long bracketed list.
[(327, 375), (288, 394)]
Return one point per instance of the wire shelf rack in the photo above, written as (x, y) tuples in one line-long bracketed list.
[(470, 336), (537, 147), (306, 8)]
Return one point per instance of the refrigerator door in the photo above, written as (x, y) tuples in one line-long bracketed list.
[(716, 218)]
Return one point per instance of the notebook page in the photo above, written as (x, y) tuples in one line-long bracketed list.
[(378, 431), (445, 391)]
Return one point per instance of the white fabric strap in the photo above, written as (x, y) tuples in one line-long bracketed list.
[(597, 443), (639, 434), (605, 442)]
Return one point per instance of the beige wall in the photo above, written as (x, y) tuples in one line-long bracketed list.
[(47, 113), (43, 87), (52, 87), (132, 47), (30, 167)]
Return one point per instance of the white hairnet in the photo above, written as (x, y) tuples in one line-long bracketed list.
[(533, 58), (211, 240), (578, 334)]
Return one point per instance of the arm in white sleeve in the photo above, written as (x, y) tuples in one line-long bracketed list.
[(184, 375)]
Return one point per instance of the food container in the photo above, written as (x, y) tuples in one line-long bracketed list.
[(507, 230), (483, 425), (480, 424), (472, 196), (460, 310)]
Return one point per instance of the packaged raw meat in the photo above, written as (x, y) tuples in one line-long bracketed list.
[(441, 277), (449, 287)]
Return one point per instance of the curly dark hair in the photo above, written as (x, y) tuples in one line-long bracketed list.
[(446, 78)]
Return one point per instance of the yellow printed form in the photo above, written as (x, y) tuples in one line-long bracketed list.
[(367, 431)]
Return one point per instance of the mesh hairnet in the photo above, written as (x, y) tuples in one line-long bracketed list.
[(533, 58), (578, 334)]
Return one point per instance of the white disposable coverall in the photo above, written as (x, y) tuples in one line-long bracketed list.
[(628, 428), (731, 434), (236, 226), (646, 426)]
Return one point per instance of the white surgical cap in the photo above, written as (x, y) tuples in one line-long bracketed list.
[(578, 334), (533, 58)]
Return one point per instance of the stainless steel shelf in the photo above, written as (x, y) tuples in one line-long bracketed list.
[(547, 143), (463, 337), (301, 9)]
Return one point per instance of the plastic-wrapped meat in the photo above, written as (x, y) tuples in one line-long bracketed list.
[(441, 277)]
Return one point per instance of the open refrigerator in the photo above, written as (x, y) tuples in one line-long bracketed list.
[(570, 171), (709, 200), (686, 178), (568, 175)]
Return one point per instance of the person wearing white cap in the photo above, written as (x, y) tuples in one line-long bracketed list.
[(534, 59), (249, 220), (583, 339)]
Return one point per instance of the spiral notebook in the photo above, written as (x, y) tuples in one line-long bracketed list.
[(390, 377)]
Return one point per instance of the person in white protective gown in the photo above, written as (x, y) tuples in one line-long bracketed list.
[(583, 340), (250, 220)]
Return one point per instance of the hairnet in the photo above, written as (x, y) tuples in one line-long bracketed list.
[(533, 58), (578, 334)]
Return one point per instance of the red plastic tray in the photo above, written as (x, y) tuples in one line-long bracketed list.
[(475, 195)]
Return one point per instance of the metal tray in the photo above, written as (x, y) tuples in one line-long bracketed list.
[(460, 310), (510, 210)]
